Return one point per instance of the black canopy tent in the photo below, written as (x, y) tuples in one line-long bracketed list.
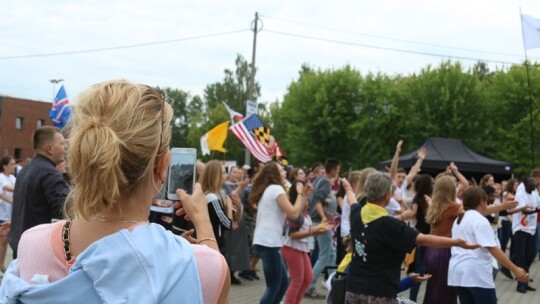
[(442, 151)]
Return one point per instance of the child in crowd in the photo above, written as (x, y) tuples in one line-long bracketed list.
[(470, 271)]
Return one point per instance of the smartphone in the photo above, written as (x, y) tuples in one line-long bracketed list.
[(181, 171)]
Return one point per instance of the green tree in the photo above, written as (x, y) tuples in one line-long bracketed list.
[(180, 102), (316, 116), (233, 90), (508, 105)]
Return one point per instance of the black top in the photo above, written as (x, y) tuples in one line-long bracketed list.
[(219, 219), (39, 196), (421, 224), (378, 251)]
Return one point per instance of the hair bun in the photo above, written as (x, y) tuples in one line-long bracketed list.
[(92, 123)]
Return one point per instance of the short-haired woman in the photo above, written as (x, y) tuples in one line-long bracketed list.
[(380, 243)]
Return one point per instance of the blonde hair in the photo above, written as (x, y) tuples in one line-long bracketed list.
[(354, 180), (444, 192), (212, 177), (118, 132)]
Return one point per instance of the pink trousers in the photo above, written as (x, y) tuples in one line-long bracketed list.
[(300, 271)]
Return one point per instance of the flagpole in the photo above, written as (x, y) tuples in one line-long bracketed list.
[(252, 76), (54, 83), (531, 123)]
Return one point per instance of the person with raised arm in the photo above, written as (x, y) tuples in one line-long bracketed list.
[(273, 206), (380, 243), (400, 177)]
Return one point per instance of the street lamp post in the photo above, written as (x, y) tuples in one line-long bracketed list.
[(54, 83)]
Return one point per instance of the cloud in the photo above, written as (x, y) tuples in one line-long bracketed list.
[(37, 27)]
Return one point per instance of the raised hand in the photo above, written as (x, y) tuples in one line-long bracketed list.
[(422, 153), (345, 183), (398, 146), (308, 188)]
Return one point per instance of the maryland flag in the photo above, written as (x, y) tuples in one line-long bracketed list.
[(262, 134)]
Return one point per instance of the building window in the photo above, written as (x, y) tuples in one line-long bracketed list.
[(18, 153), (40, 123), (19, 122)]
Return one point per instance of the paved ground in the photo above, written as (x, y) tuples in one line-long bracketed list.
[(249, 292)]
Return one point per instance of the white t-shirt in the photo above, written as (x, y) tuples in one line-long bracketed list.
[(525, 222), (300, 244), (520, 188), (345, 218), (472, 268), (393, 207), (5, 207), (401, 190), (270, 218)]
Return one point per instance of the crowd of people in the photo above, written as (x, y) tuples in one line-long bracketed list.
[(78, 220)]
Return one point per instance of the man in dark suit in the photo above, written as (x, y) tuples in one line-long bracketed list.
[(40, 190)]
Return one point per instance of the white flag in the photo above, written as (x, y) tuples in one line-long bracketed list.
[(531, 32), (204, 145)]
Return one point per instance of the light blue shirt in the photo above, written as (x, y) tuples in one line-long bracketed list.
[(145, 265)]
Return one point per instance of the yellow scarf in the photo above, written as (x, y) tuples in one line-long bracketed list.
[(345, 262), (371, 212)]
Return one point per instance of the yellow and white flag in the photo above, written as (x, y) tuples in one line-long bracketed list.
[(214, 139)]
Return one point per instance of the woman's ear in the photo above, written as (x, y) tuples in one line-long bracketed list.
[(163, 166)]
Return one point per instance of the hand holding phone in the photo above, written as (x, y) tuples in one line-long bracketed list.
[(181, 171)]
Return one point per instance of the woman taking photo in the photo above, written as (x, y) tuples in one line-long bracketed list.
[(273, 206), (107, 252)]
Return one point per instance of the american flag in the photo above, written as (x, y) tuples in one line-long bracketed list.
[(60, 110), (244, 131)]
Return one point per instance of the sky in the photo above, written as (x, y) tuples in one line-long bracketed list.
[(55, 39)]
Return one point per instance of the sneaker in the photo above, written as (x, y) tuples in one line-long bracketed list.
[(254, 275), (506, 273), (314, 295), (245, 275), (235, 280)]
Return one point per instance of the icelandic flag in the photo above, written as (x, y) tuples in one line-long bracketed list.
[(60, 109)]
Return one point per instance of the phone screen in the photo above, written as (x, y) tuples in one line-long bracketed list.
[(181, 172)]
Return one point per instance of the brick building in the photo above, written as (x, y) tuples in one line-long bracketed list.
[(19, 118)]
